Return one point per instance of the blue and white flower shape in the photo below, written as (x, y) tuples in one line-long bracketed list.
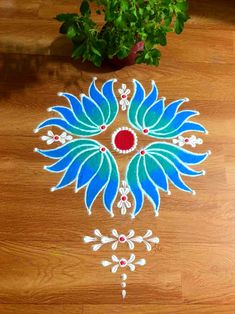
[(90, 165), (151, 169), (85, 161)]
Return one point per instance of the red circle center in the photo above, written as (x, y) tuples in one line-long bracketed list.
[(186, 140), (56, 137), (121, 239), (122, 262), (123, 96), (124, 198), (124, 140)]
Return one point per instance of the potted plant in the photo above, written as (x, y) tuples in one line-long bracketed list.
[(130, 32)]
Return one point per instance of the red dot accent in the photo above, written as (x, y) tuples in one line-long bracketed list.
[(103, 149), (103, 127), (122, 262), (124, 198), (124, 140), (122, 239), (145, 131), (56, 137), (186, 140), (124, 96), (142, 152)]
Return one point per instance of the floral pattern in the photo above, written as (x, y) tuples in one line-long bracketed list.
[(90, 165), (51, 137), (121, 239), (192, 141), (124, 203), (123, 262), (124, 92)]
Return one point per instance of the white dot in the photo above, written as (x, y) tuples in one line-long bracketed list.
[(59, 94), (156, 214), (194, 192), (203, 172), (35, 130), (53, 189), (49, 109), (169, 192), (186, 99), (35, 150)]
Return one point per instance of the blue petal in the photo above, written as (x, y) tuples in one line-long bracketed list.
[(64, 162), (172, 173), (77, 108), (97, 183), (156, 173), (67, 127), (132, 180), (68, 115), (88, 169), (100, 100), (169, 113), (181, 153), (60, 151), (92, 110), (108, 92), (178, 164), (145, 105), (73, 169), (135, 102), (149, 188), (153, 114), (111, 188), (177, 121), (186, 127)]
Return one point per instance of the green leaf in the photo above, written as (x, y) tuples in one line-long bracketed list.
[(85, 8), (95, 51), (71, 32)]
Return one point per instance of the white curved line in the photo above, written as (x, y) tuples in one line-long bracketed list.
[(82, 96), (55, 188), (149, 110), (62, 94), (181, 162), (189, 117), (77, 178), (162, 171), (137, 111), (176, 112), (58, 159), (73, 125), (191, 191), (149, 198)]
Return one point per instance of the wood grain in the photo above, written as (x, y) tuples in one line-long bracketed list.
[(45, 266)]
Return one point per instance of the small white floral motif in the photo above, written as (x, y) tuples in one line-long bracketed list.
[(192, 140), (123, 262), (123, 203), (124, 92), (51, 138), (120, 239)]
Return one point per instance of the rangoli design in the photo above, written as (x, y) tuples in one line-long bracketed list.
[(87, 163)]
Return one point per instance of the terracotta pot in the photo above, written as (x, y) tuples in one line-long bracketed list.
[(130, 59)]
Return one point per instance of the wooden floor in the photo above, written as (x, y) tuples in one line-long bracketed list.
[(44, 265)]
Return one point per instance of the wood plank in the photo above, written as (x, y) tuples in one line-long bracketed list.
[(40, 309), (159, 309), (69, 273), (208, 273)]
